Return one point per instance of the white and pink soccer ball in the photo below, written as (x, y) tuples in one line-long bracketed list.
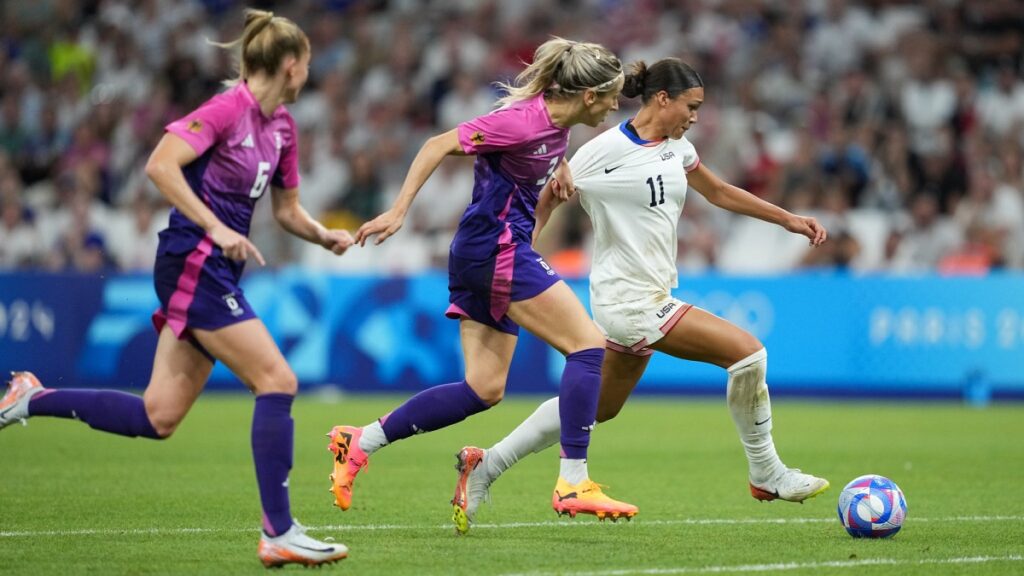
[(872, 506)]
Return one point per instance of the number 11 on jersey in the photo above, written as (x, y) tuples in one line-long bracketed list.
[(661, 186)]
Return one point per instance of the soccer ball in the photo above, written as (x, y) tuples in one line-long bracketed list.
[(872, 506)]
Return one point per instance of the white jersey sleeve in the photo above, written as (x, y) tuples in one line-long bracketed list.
[(634, 191)]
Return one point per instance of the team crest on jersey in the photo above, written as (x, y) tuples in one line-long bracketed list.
[(195, 126), (668, 155), (477, 138)]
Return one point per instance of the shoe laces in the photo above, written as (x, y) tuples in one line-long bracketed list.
[(595, 487)]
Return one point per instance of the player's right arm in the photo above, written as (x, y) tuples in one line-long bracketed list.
[(427, 160), (164, 169), (546, 204)]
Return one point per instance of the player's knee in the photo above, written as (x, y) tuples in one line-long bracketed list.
[(164, 422), (489, 390), (588, 340), (745, 346), (278, 380)]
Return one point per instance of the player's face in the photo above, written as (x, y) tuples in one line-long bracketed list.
[(603, 104), (297, 76), (681, 111)]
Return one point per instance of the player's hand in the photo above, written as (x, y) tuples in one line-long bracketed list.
[(562, 194), (808, 227), (234, 245), (383, 226), (561, 182), (337, 241)]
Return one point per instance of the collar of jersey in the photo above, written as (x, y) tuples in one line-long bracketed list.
[(633, 137)]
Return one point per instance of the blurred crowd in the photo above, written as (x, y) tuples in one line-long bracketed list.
[(899, 124)]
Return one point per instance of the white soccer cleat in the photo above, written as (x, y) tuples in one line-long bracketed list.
[(472, 487), (14, 405), (294, 547), (791, 485)]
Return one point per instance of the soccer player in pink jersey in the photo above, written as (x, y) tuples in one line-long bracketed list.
[(213, 165), (496, 280)]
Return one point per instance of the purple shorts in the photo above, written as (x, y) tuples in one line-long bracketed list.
[(482, 290), (197, 290)]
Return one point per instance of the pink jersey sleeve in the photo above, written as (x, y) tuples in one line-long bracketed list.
[(206, 125), (500, 130), (287, 174)]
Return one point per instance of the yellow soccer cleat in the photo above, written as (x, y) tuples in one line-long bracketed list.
[(349, 459), (588, 498)]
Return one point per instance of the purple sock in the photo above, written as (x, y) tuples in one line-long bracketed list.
[(432, 409), (108, 410), (272, 437), (577, 400)]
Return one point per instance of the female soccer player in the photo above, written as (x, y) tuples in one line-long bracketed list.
[(632, 181), (496, 281), (213, 165)]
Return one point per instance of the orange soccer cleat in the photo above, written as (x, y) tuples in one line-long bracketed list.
[(588, 498), (471, 488), (349, 459), (14, 405)]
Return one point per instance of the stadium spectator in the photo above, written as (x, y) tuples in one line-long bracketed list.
[(910, 84)]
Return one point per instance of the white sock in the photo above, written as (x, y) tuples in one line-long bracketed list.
[(751, 408), (574, 471), (373, 438), (539, 431)]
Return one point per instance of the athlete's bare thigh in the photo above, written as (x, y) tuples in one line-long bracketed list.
[(704, 337), (557, 317), (249, 351)]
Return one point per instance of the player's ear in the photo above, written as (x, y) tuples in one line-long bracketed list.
[(288, 64), (663, 98), (589, 97)]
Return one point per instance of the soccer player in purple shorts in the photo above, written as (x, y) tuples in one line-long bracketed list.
[(496, 280), (213, 165)]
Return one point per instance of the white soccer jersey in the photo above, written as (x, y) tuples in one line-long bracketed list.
[(633, 191)]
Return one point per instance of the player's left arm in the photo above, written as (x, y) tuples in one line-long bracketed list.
[(735, 199), (297, 221)]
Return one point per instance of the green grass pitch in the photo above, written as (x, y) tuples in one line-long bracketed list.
[(75, 501)]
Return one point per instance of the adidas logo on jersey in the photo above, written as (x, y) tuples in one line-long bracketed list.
[(248, 143), (542, 150)]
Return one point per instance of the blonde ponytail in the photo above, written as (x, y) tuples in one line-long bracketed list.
[(264, 43), (563, 68)]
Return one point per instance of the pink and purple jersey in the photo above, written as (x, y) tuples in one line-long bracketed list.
[(518, 147), (240, 151)]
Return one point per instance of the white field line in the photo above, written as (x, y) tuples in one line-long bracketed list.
[(583, 522), (784, 566)]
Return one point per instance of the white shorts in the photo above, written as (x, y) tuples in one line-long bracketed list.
[(631, 327)]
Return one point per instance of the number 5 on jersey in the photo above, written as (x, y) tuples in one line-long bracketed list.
[(262, 178)]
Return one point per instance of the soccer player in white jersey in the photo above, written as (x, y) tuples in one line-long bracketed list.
[(632, 181)]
